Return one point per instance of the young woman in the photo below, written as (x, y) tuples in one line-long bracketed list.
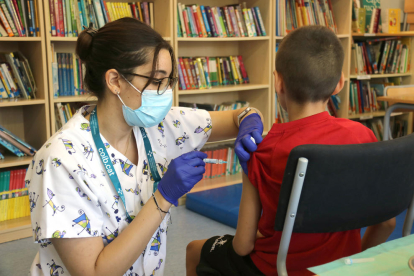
[(104, 183)]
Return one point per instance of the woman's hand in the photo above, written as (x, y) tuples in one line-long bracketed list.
[(182, 174), (250, 126)]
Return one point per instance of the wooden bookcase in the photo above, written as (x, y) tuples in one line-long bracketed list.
[(34, 120), (257, 57), (343, 16), (163, 23), (28, 119)]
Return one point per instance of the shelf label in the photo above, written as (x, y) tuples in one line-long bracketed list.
[(366, 117), (370, 34), (363, 77)]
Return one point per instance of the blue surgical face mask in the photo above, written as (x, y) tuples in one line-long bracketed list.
[(152, 111)]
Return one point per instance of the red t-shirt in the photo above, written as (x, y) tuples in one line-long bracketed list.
[(266, 169)]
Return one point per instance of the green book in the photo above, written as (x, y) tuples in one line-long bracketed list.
[(212, 64), (361, 21), (2, 186), (222, 22), (179, 34), (369, 6)]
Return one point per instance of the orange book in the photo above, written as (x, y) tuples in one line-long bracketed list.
[(200, 19), (189, 73), (208, 165), (224, 158), (214, 168), (5, 23), (219, 167)]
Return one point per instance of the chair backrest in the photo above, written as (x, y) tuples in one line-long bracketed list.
[(349, 186), (398, 90)]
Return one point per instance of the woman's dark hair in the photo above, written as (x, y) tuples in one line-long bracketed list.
[(122, 45)]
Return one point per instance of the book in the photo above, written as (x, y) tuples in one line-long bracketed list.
[(393, 20), (227, 21)]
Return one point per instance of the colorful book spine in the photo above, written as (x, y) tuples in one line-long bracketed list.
[(206, 21)]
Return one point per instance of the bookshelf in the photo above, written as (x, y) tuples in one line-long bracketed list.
[(28, 119), (256, 53), (342, 10), (163, 23)]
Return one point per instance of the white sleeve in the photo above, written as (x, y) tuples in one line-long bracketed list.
[(62, 203), (190, 128)]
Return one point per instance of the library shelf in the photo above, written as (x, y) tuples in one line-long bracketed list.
[(237, 38), (20, 38), (223, 89), (383, 34), (20, 101), (377, 76), (217, 182), (15, 229), (14, 161), (72, 99), (370, 115)]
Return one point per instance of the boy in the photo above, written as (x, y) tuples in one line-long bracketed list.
[(308, 72)]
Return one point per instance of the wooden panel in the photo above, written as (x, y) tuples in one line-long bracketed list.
[(213, 183), (12, 119), (34, 125), (342, 13), (259, 98), (14, 161), (408, 6), (15, 229)]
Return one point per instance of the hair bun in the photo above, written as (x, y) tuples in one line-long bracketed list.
[(84, 45)]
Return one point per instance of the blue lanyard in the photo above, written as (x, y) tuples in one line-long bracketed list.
[(151, 160), (105, 159)]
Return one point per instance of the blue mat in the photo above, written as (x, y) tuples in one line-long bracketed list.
[(222, 205)]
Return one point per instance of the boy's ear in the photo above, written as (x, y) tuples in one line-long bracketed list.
[(340, 84), (279, 83)]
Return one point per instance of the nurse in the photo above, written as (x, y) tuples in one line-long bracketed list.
[(105, 182)]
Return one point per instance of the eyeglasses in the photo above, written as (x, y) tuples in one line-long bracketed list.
[(161, 85)]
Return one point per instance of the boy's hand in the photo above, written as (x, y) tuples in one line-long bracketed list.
[(251, 126)]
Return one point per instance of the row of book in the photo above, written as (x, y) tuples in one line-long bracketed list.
[(363, 97), (293, 14), (227, 21), (216, 107), (381, 56), (63, 113), (67, 17), (218, 170), (206, 72), (16, 77), (14, 144), (67, 73), (14, 199), (398, 127), (19, 18)]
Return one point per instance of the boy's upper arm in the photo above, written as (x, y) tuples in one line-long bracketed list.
[(249, 215)]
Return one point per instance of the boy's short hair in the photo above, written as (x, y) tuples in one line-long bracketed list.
[(310, 62)]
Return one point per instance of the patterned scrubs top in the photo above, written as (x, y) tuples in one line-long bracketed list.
[(73, 197)]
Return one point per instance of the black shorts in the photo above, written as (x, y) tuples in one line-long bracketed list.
[(218, 258)]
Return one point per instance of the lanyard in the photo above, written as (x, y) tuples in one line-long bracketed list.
[(151, 160), (105, 159)]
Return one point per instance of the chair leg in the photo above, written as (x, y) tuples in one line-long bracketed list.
[(291, 216), (387, 116), (409, 219)]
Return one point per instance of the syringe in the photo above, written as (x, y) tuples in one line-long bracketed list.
[(214, 161)]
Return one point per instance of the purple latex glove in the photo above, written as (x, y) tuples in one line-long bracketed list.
[(251, 126), (182, 174)]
